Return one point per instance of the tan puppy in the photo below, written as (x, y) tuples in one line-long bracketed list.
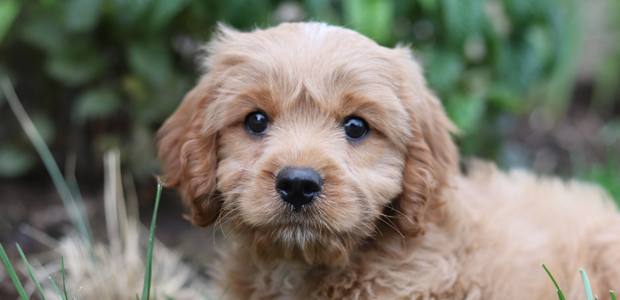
[(329, 165)]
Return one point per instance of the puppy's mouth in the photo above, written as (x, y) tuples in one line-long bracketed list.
[(299, 244)]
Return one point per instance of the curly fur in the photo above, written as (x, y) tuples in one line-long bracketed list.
[(395, 219)]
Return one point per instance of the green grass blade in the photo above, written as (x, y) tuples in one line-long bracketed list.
[(557, 287), (64, 281), (586, 284), (613, 296), (56, 288), (224, 292), (79, 221), (34, 278), (204, 295), (146, 289), (18, 285), (167, 297)]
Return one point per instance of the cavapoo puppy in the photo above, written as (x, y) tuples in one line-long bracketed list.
[(329, 165)]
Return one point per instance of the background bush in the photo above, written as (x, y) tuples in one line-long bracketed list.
[(96, 74)]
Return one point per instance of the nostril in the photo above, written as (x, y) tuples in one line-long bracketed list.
[(311, 187), (284, 186)]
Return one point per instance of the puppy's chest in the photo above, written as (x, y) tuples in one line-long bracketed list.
[(362, 280)]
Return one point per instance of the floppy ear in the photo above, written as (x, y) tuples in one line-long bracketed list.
[(431, 159), (187, 146), (189, 156)]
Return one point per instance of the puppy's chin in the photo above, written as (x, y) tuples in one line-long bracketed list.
[(302, 245)]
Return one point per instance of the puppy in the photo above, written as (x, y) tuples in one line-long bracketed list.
[(329, 166)]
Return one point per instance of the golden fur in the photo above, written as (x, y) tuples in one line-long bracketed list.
[(395, 219)]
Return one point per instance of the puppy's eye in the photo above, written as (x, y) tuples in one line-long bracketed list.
[(355, 128), (256, 122)]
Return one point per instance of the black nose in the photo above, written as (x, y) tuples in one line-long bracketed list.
[(298, 186)]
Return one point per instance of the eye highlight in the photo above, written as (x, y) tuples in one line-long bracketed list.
[(256, 122), (355, 128)]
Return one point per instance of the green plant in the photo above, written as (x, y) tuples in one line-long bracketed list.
[(147, 274), (73, 207), (586, 284), (605, 174), (119, 68), (17, 283), (146, 290)]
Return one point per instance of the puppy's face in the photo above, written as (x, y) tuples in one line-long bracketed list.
[(300, 136)]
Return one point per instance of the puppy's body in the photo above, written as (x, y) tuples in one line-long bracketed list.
[(393, 219), (489, 244)]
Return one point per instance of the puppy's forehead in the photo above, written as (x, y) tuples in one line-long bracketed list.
[(331, 65), (335, 70)]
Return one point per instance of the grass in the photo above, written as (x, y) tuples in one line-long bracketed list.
[(586, 284), (7, 264), (147, 275), (146, 290), (94, 262), (72, 202)]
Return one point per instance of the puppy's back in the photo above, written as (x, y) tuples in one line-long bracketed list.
[(567, 225)]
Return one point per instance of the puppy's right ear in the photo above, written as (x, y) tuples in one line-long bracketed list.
[(189, 156), (187, 147)]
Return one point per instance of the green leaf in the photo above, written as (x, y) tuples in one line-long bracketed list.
[(607, 176), (96, 104), (443, 70), (506, 99), (128, 13), (321, 10), (15, 161), (76, 65), (244, 14), (9, 9), (466, 111), (82, 15), (429, 6), (44, 29), (151, 60), (372, 18), (163, 12), (461, 18)]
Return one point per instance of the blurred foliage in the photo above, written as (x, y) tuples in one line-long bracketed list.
[(106, 73), (608, 176), (608, 75)]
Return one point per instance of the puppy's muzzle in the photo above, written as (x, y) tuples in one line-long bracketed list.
[(298, 186)]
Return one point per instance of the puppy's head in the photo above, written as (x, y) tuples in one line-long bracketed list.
[(303, 137)]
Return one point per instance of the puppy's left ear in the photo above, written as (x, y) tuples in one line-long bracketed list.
[(431, 160)]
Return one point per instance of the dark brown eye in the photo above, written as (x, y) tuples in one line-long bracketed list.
[(256, 122), (355, 128)]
